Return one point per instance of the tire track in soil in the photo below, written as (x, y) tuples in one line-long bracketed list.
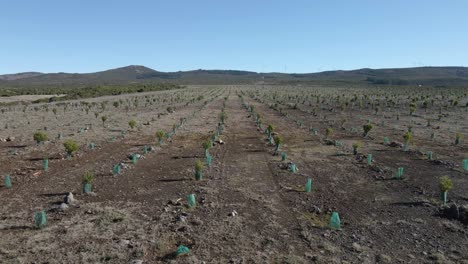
[(265, 229)]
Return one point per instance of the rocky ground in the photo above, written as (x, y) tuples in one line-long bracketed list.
[(250, 207)]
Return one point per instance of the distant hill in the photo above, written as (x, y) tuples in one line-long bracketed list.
[(17, 76), (431, 76)]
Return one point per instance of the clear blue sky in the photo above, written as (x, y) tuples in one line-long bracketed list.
[(286, 36)]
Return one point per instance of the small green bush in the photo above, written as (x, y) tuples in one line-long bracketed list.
[(207, 144), (104, 119), (160, 134), (70, 146), (132, 124), (198, 165), (278, 140), (223, 117), (445, 184), (88, 178), (408, 137), (329, 132), (367, 128), (40, 137)]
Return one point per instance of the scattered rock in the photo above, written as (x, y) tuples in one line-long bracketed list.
[(69, 199), (316, 209), (357, 247), (63, 206), (233, 213), (10, 139)]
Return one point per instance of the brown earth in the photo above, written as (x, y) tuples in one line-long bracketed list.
[(250, 209)]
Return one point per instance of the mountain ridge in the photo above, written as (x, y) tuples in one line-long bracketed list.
[(428, 75)]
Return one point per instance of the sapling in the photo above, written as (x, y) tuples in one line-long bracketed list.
[(223, 117), (198, 170), (270, 130), (40, 137), (408, 137), (328, 132), (160, 136), (278, 141), (457, 138), (103, 119), (356, 146), (88, 179), (206, 146), (132, 124), (70, 146), (367, 128), (445, 184)]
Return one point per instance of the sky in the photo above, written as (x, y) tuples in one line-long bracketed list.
[(264, 36)]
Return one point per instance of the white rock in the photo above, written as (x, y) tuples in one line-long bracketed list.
[(63, 206), (69, 199)]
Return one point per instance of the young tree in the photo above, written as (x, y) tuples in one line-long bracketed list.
[(40, 137)]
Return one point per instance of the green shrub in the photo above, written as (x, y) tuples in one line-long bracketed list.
[(207, 144), (278, 140), (104, 119), (222, 117), (198, 165), (132, 124), (40, 137), (160, 134), (367, 128), (70, 146), (329, 132), (88, 178), (270, 128), (356, 145), (458, 137), (408, 137), (445, 184)]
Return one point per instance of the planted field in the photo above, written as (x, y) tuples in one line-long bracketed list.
[(237, 174)]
